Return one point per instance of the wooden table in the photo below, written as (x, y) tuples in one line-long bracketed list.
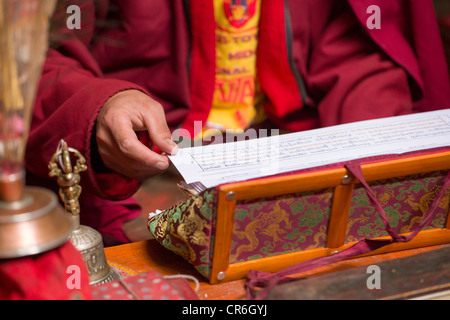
[(143, 256)]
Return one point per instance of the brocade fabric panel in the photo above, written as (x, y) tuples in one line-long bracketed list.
[(187, 229), (275, 225), (405, 201)]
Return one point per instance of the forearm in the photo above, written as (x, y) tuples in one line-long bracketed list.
[(68, 101)]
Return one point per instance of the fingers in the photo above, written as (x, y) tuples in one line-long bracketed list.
[(131, 147), (130, 157), (159, 132), (118, 145)]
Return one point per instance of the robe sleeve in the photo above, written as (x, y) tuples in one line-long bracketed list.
[(70, 95)]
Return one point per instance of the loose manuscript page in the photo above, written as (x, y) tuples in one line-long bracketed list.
[(242, 160)]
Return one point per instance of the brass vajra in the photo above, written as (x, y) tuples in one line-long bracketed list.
[(68, 177)]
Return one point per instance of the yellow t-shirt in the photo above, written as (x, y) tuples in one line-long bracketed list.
[(237, 96)]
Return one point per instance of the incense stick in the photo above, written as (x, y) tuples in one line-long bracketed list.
[(12, 99), (23, 43)]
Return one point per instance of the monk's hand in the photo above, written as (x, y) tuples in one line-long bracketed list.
[(120, 118)]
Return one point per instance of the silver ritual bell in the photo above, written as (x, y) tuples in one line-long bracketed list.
[(87, 240)]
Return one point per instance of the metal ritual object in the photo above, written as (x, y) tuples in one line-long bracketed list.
[(33, 224), (87, 240), (31, 221)]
